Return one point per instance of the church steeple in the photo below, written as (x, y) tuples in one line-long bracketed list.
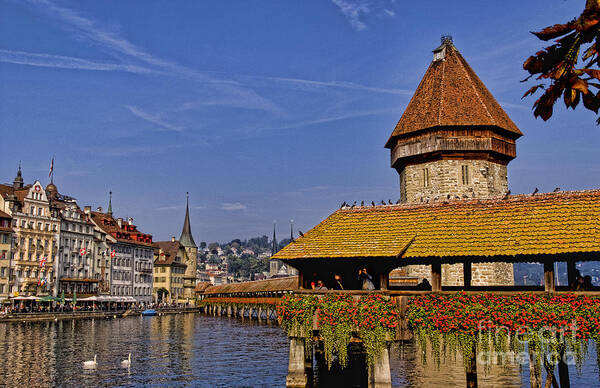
[(274, 243), (186, 238), (109, 211), (18, 182)]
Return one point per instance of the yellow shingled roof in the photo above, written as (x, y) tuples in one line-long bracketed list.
[(552, 223)]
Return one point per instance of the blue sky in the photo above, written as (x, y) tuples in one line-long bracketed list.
[(262, 110)]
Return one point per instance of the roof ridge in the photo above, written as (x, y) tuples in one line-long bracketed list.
[(439, 119), (470, 201)]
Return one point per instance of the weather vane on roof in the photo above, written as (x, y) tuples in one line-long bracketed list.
[(446, 38)]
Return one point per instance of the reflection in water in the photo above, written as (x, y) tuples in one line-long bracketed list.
[(195, 350)]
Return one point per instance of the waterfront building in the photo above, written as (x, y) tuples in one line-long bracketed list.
[(191, 253), (170, 270), (132, 254), (76, 266), (101, 255), (36, 231), (6, 240)]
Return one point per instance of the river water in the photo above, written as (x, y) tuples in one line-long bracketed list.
[(194, 350)]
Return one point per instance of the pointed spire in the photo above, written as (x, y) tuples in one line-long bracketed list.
[(292, 230), (274, 243), (18, 182), (109, 211), (186, 238)]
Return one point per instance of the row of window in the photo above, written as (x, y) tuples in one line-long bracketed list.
[(28, 273), (141, 278), (126, 290), (121, 275), (75, 228), (76, 243), (31, 225)]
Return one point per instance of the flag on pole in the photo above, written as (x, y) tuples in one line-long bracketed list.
[(42, 262), (51, 168)]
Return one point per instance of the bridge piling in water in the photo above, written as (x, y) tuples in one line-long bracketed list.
[(297, 376), (380, 374)]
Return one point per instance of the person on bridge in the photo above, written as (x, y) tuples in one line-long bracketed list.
[(365, 280), (320, 285), (337, 282)]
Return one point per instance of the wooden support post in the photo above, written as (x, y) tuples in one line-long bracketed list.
[(300, 280), (563, 371), (467, 274), (571, 272), (471, 369), (549, 276), (296, 377), (436, 276), (384, 280), (379, 374), (535, 375)]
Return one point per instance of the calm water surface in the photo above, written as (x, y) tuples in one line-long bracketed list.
[(195, 350)]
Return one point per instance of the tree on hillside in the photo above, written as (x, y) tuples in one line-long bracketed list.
[(558, 64)]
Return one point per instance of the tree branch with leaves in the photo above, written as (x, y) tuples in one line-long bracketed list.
[(559, 64)]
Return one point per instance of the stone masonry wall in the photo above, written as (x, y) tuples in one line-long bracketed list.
[(483, 274), (486, 180), (445, 180)]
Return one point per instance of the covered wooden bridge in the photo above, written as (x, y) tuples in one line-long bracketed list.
[(543, 228)]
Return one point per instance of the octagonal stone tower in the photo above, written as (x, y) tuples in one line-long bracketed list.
[(454, 141)]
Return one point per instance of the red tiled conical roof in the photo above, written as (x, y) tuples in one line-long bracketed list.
[(451, 94)]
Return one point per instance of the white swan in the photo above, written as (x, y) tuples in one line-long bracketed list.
[(90, 364), (127, 362)]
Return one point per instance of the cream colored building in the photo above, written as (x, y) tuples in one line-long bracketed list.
[(36, 231), (6, 234), (169, 271)]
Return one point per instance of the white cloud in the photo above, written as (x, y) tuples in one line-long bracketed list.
[(353, 10), (389, 12), (63, 62), (333, 84), (167, 208), (153, 119), (233, 206), (88, 30)]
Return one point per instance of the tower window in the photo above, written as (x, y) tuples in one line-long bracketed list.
[(426, 181), (465, 175)]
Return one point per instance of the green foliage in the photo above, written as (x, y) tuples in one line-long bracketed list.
[(372, 319), (335, 321), (502, 325)]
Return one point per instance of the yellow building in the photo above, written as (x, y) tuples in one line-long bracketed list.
[(169, 271), (36, 237), (6, 233)]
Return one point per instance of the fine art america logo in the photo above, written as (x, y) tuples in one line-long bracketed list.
[(551, 340)]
